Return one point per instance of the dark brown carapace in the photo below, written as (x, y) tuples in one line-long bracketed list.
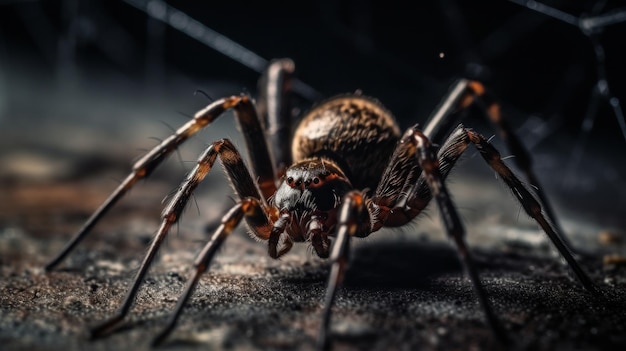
[(348, 173), (340, 145)]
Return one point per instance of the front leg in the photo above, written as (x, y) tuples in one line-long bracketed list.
[(429, 163), (448, 115), (244, 186), (252, 209), (259, 157), (352, 214), (431, 185), (395, 201), (397, 204), (452, 150)]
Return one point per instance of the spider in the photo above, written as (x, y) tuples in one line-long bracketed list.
[(350, 171)]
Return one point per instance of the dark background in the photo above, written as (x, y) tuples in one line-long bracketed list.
[(534, 63)]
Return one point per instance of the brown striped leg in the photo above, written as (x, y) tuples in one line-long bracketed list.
[(522, 158), (446, 116), (402, 173), (275, 109), (352, 214), (530, 204), (255, 142), (429, 163), (402, 193), (249, 207), (244, 186), (467, 92), (449, 153)]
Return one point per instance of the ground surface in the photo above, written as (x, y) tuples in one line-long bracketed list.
[(401, 293)]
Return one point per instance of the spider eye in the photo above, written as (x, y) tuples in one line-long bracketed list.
[(290, 180), (316, 180)]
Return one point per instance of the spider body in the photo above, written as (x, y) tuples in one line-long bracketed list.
[(340, 145), (349, 172)]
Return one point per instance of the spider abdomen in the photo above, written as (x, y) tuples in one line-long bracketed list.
[(355, 131)]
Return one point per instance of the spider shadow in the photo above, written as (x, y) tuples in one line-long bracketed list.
[(415, 263), (400, 264)]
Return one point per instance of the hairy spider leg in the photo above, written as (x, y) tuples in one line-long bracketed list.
[(522, 158), (249, 207), (422, 173), (274, 105), (259, 223), (451, 150), (387, 208), (258, 152), (352, 214), (429, 163), (530, 204), (466, 92), (459, 140), (355, 209), (242, 181)]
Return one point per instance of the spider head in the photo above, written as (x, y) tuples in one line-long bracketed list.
[(308, 198)]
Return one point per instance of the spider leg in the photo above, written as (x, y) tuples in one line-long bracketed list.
[(352, 214), (244, 186), (522, 158), (249, 207), (403, 193), (451, 151), (252, 131), (419, 173), (530, 204), (467, 92), (429, 163), (446, 116), (394, 204), (274, 106)]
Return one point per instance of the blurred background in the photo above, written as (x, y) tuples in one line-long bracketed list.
[(85, 86)]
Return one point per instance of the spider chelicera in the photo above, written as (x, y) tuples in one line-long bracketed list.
[(349, 173)]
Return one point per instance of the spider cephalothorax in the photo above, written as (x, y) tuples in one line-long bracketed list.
[(308, 200), (348, 173)]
